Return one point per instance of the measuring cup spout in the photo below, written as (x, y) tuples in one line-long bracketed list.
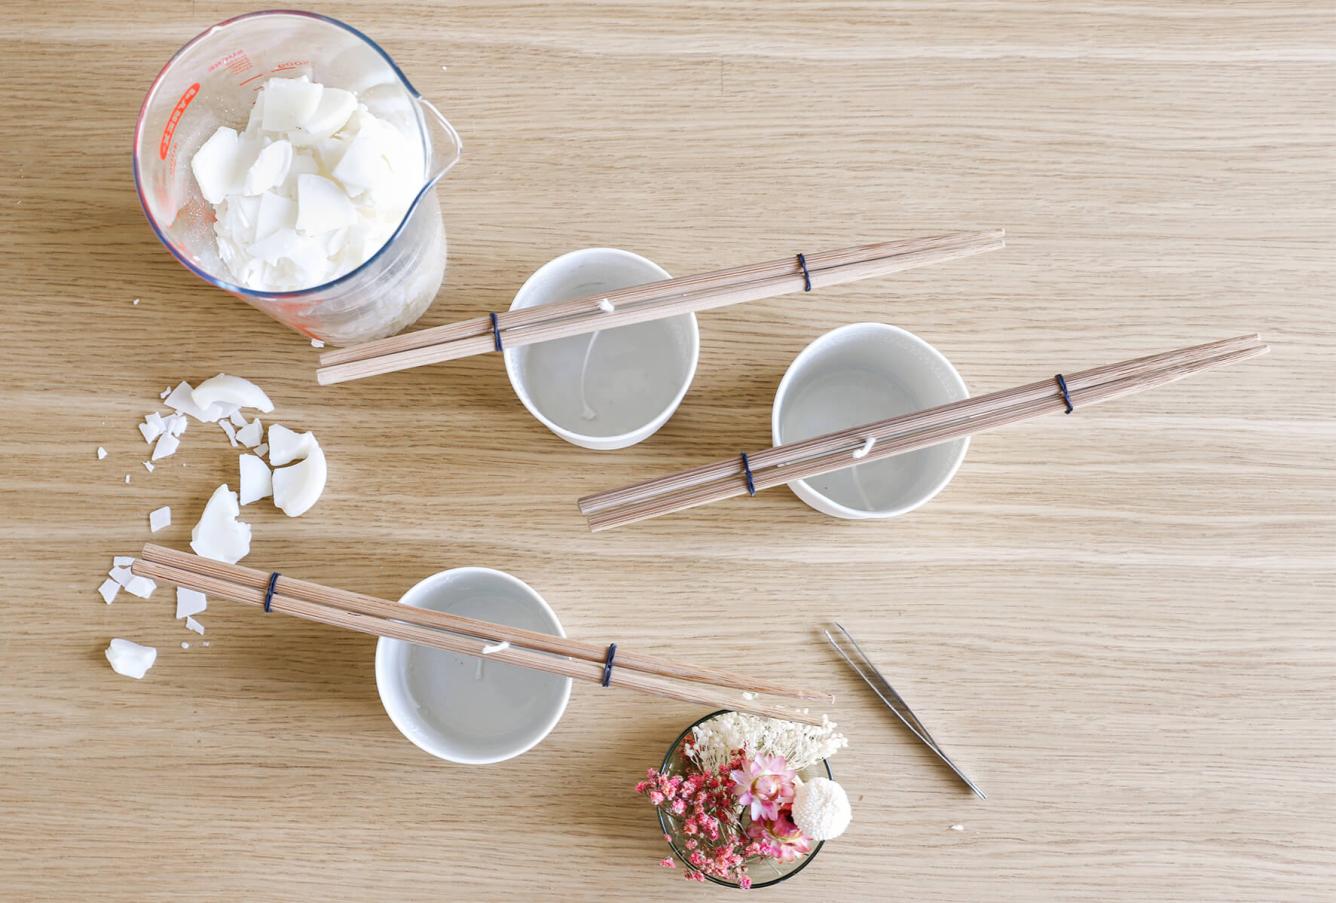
[(445, 144)]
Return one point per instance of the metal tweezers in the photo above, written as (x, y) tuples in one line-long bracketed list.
[(864, 668)]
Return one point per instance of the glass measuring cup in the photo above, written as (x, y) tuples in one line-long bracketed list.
[(212, 81)]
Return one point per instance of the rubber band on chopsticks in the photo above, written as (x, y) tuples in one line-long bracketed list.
[(1066, 396), (746, 471), (496, 332), (269, 593), (807, 275), (607, 664)]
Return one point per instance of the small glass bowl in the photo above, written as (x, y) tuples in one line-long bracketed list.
[(763, 872)]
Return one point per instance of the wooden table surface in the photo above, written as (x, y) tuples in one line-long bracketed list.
[(1123, 623)]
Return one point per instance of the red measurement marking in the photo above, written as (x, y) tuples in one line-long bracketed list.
[(177, 112)]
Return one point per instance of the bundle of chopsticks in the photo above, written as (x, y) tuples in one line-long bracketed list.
[(908, 432), (468, 636), (652, 301)]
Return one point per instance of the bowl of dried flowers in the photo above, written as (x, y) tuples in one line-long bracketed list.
[(745, 801)]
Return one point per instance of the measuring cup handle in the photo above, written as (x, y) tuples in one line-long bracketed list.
[(446, 147)]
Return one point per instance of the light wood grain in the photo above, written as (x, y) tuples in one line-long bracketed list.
[(1122, 624)]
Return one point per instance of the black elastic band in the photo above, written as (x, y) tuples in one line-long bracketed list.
[(496, 332), (269, 593), (746, 470), (607, 664), (807, 276), (1066, 396)]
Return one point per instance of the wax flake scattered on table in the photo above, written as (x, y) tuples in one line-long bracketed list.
[(297, 487), (152, 427), (130, 659), (256, 481), (219, 535), (121, 574), (196, 626), (176, 424), (165, 392), (182, 400), (135, 301), (148, 465), (185, 645), (189, 602), (109, 589), (956, 827), (262, 449), (123, 561), (230, 430), (316, 343), (127, 478), (231, 391), (166, 447), (101, 453), (142, 587), (206, 644), (159, 518), (251, 433), (237, 418)]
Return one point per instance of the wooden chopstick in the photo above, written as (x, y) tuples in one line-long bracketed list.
[(823, 454), (215, 579), (853, 437), (652, 301)]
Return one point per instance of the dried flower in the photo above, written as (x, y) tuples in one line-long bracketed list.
[(765, 783), (802, 745), (779, 837)]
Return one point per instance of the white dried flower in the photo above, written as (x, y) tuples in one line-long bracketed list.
[(801, 745), (821, 809)]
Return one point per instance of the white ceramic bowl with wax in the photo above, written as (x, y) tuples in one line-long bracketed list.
[(862, 373), (459, 707), (609, 389)]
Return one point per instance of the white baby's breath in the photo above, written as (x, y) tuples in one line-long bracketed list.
[(801, 745)]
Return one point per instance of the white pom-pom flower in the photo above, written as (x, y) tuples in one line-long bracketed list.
[(821, 809)]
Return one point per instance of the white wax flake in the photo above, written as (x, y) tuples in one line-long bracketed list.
[(196, 626), (159, 518), (185, 645), (256, 481), (206, 644), (165, 392), (298, 486), (262, 449), (316, 343), (322, 206), (176, 424), (215, 165), (109, 589), (289, 103), (219, 535), (152, 427), (130, 659), (189, 602), (748, 695), (606, 306), (135, 301), (269, 169), (287, 445), (330, 115), (495, 647), (251, 433), (121, 575), (166, 447), (123, 561), (237, 418), (142, 587), (956, 827), (231, 390), (127, 478), (182, 400), (868, 443), (230, 430), (148, 465), (101, 453)]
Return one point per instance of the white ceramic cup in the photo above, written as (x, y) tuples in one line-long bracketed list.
[(622, 388), (862, 373), (461, 708)]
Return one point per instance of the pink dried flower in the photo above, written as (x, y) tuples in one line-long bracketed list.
[(667, 862), (765, 783), (779, 838)]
